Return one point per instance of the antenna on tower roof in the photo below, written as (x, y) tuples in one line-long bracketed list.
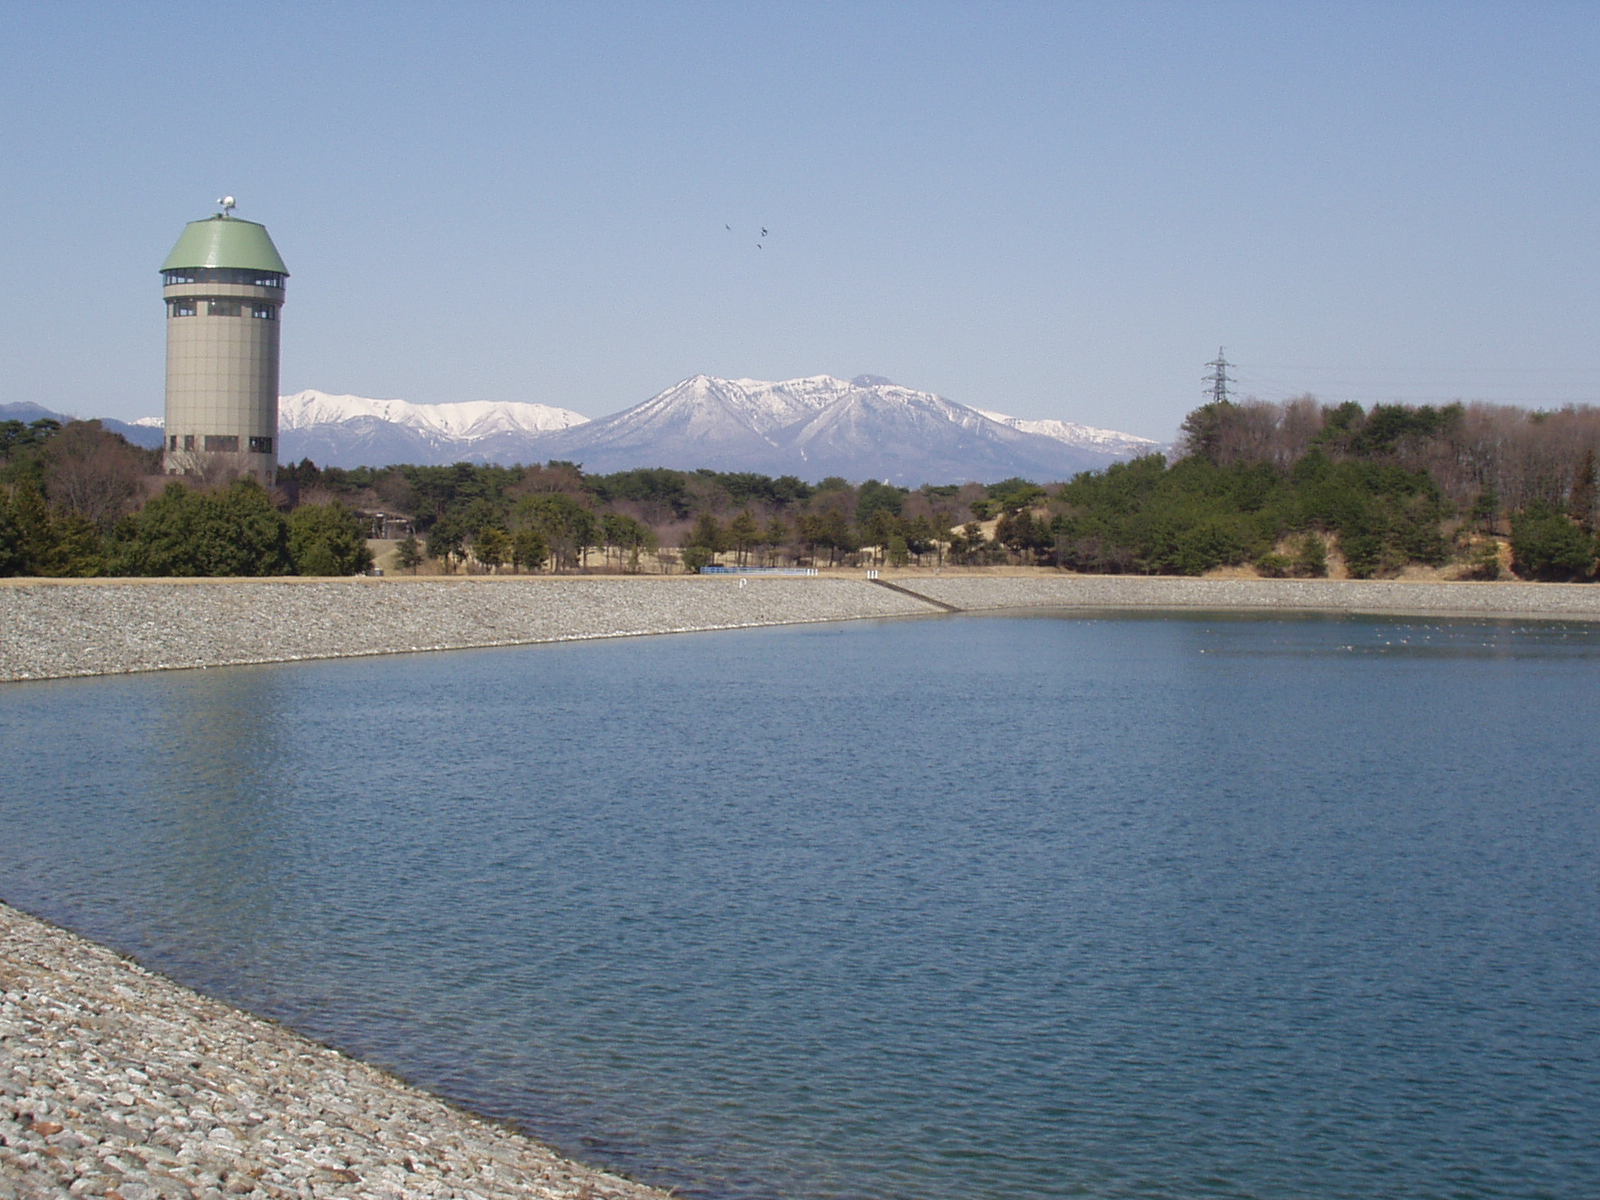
[(227, 205)]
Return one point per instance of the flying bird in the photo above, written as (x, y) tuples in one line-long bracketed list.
[(763, 233)]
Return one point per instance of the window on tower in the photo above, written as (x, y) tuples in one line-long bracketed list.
[(240, 275), (222, 308), (172, 442), (222, 443), (267, 312), (260, 445), (181, 308), (188, 441)]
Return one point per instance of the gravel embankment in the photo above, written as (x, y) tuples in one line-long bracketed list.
[(1561, 601), (49, 630), (101, 627), (117, 1082)]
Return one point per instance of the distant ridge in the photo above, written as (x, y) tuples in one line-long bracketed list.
[(1110, 440), (350, 431), (866, 427), (140, 433), (813, 427), (470, 420)]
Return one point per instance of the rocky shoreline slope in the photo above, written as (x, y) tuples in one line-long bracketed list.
[(118, 1082), (1444, 600), (53, 629)]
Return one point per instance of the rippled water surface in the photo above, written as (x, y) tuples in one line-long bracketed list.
[(975, 907)]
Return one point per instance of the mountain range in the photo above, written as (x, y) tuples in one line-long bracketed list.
[(811, 427), (353, 431), (144, 432), (866, 427)]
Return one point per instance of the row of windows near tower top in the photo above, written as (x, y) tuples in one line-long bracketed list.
[(189, 306), (238, 275), (216, 443)]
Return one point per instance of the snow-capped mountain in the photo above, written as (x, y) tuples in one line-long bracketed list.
[(866, 427), (726, 424), (820, 426), (356, 430), (1122, 445), (470, 420)]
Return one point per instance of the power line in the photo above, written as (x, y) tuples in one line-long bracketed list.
[(1345, 368), (1542, 388), (1419, 385)]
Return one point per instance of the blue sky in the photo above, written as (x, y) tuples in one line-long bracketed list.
[(1051, 210)]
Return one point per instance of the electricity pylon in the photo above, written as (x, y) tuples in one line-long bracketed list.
[(1218, 379)]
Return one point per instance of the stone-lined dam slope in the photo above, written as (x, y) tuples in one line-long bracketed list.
[(52, 629), (1505, 601), (118, 1082)]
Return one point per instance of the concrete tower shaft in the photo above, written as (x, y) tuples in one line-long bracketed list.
[(224, 288)]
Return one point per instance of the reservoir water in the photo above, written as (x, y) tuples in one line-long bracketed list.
[(972, 907)]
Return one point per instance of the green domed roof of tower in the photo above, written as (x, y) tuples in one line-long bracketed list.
[(225, 241)]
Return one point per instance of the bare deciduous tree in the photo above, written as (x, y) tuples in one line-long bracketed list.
[(93, 474)]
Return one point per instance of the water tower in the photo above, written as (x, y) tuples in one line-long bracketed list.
[(223, 284)]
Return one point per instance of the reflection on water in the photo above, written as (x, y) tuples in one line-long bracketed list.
[(981, 907)]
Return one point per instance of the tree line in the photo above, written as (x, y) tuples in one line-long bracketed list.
[(555, 516), (1287, 489), (1400, 483), (76, 500)]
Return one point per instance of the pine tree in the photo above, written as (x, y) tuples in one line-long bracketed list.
[(409, 553), (776, 535), (743, 533), (708, 536), (528, 549)]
